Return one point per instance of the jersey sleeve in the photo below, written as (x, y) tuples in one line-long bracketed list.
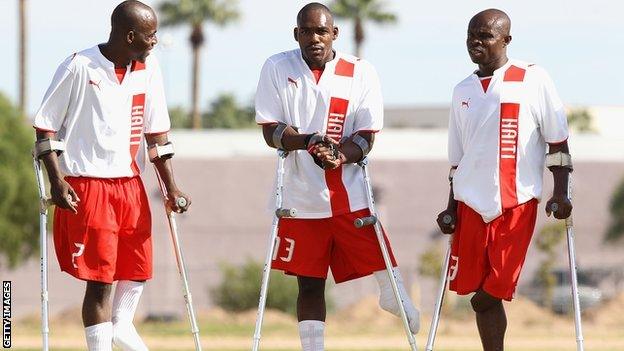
[(156, 112), (369, 114), (455, 148), (267, 101), (551, 114), (51, 113)]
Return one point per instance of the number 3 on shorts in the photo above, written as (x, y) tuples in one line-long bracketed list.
[(290, 249), (77, 254)]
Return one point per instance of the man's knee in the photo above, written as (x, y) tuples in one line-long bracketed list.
[(98, 291), (482, 301), (311, 287)]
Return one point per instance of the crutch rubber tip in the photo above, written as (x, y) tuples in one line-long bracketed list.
[(181, 202), (447, 219), (286, 212), (364, 221)]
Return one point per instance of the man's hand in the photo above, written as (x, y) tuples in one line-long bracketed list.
[(178, 202), (446, 221), (326, 153), (63, 195), (560, 206)]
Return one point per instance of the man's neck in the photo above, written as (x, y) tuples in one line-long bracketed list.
[(111, 53), (321, 66), (488, 69)]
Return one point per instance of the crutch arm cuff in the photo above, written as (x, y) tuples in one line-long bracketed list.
[(156, 152), (47, 145)]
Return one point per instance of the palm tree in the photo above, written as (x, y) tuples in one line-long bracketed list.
[(22, 57), (195, 13), (360, 11)]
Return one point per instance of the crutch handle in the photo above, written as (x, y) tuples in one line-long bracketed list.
[(286, 212), (554, 207), (365, 221), (181, 202), (447, 219)]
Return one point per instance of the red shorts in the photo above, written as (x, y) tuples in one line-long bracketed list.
[(110, 237), (489, 256), (308, 247)]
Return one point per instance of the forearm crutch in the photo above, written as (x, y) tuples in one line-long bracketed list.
[(447, 219), (173, 230), (44, 202), (279, 213), (374, 221), (573, 275)]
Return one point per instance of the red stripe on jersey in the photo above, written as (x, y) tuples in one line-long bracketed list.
[(485, 83), (508, 147), (338, 197), (120, 73), (344, 68), (136, 129), (514, 74), (137, 66), (317, 73)]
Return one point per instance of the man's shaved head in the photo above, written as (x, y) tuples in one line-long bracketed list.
[(487, 40), (494, 18), (314, 7), (130, 12)]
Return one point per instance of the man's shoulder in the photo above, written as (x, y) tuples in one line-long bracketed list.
[(285, 56), (534, 72)]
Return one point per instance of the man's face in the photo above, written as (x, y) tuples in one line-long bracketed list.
[(144, 38), (486, 41), (315, 33)]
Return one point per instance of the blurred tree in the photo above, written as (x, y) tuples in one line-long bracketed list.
[(431, 262), (615, 231), (195, 13), (580, 119), (179, 118), (19, 204), (360, 11), (23, 37), (225, 112), (547, 242)]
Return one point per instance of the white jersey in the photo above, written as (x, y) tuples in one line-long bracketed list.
[(498, 138), (346, 99), (102, 121)]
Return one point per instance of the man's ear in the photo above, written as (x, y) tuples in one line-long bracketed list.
[(335, 33), (296, 34), (507, 40), (130, 37)]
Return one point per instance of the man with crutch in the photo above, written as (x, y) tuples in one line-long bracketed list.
[(105, 107), (506, 123), (324, 107)]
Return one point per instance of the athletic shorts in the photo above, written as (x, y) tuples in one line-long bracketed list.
[(110, 237), (308, 247), (490, 256)]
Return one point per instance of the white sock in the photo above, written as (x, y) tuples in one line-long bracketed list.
[(387, 300), (125, 302), (312, 335), (99, 337)]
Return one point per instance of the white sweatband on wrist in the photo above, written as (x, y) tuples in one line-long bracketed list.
[(47, 145), (362, 143), (278, 133), (156, 151), (559, 159)]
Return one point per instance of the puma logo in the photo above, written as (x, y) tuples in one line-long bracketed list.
[(465, 103), (290, 80), (94, 83)]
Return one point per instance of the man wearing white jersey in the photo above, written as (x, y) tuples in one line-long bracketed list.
[(504, 118), (107, 105), (324, 107)]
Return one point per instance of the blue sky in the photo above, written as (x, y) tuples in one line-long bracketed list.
[(419, 59)]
